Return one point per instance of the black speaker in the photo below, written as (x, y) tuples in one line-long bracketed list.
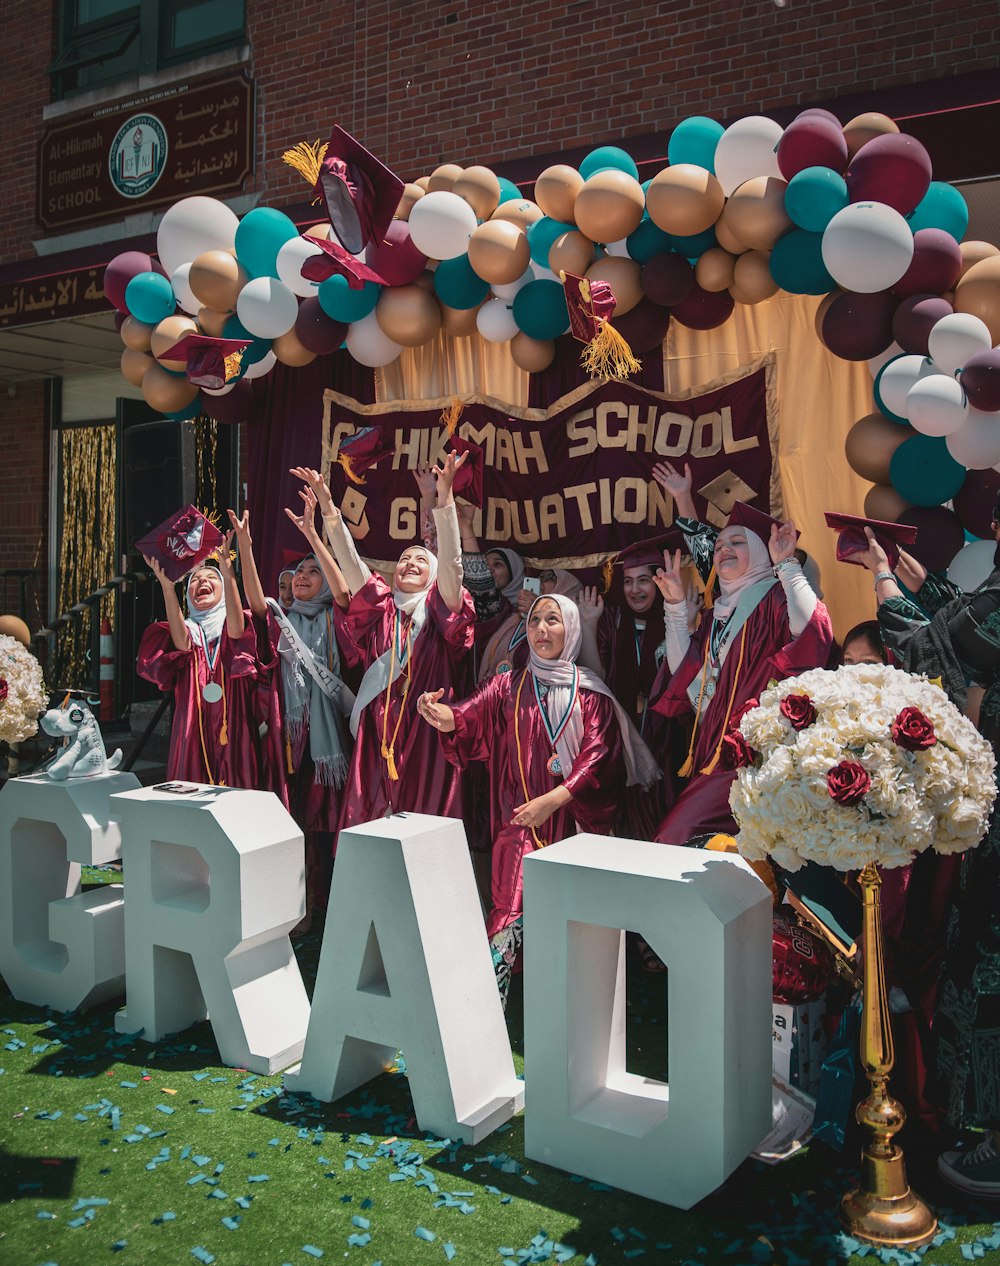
[(159, 474)]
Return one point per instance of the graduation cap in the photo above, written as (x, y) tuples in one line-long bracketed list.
[(209, 362), (591, 305), (361, 194), (851, 539), (722, 493), (756, 521), (181, 542), (335, 260), (647, 553), (469, 479), (363, 450)]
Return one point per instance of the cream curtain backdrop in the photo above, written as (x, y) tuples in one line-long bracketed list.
[(820, 397)]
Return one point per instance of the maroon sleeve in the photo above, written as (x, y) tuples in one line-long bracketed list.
[(600, 748), (478, 723), (158, 660), (457, 629)]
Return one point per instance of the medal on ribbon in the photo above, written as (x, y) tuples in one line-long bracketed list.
[(555, 732)]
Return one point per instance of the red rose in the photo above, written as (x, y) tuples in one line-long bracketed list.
[(3, 689), (799, 711), (848, 782), (736, 751), (740, 711), (912, 731)]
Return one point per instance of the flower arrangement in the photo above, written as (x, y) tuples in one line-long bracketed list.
[(23, 697), (864, 764)]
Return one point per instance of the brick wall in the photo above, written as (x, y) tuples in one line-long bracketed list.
[(24, 459)]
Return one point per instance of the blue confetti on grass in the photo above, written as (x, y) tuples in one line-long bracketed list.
[(312, 1250), (422, 1233)]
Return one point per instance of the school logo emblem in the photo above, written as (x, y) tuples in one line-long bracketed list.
[(138, 155)]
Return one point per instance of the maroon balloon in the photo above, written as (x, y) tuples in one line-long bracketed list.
[(940, 535), (859, 326), (817, 112), (643, 327), (894, 169), (935, 267), (234, 407), (120, 272), (915, 318), (704, 309), (396, 258), (975, 502), (811, 141), (981, 380), (667, 278), (316, 331)]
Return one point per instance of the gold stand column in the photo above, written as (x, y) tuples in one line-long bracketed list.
[(881, 1209)]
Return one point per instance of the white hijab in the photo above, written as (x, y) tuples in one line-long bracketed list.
[(559, 675), (516, 568), (210, 622), (759, 569)]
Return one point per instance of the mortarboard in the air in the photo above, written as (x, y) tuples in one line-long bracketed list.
[(591, 305), (362, 450), (851, 539), (361, 194), (721, 494), (181, 542), (469, 479), (756, 521), (337, 261), (209, 362)]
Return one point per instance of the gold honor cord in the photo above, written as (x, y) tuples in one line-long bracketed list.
[(224, 731), (520, 763), (389, 749)]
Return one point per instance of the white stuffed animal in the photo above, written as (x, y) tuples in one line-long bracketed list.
[(83, 754)]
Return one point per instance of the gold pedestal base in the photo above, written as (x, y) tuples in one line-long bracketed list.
[(893, 1218)]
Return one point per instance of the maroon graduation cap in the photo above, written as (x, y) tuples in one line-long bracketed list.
[(363, 450), (336, 261), (851, 539), (209, 362), (181, 542), (591, 304), (647, 553), (361, 194), (469, 479), (754, 520)]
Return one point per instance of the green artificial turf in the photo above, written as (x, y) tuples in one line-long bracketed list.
[(117, 1151)]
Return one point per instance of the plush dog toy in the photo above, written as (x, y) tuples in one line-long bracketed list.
[(83, 754)]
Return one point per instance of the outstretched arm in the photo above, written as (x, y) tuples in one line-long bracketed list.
[(670, 582), (671, 480), (306, 523), (436, 713), (248, 564), (235, 620), (799, 594), (355, 571), (449, 577), (591, 607), (874, 558), (175, 620)]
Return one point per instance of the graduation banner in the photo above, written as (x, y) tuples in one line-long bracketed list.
[(567, 485)]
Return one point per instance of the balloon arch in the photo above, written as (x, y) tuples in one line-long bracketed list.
[(849, 212)]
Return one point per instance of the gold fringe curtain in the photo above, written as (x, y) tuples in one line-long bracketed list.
[(206, 446)]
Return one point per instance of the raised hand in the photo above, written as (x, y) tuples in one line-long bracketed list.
[(156, 568), (781, 546), (426, 482), (466, 512), (446, 473), (671, 479), (874, 557), (590, 604), (225, 553), (241, 527), (670, 580), (317, 485), (306, 521)]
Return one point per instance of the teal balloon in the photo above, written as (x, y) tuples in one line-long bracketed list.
[(969, 538), (540, 309), (259, 236), (508, 190), (797, 264), (880, 403), (258, 349), (923, 472), (647, 241), (695, 246), (608, 156), (694, 141), (150, 298), (185, 415), (814, 196), (457, 285), (541, 234), (942, 207), (339, 301)]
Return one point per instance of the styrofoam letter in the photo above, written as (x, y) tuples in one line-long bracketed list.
[(708, 917), (60, 947), (215, 884), (406, 962)]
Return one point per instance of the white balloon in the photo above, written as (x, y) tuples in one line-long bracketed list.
[(937, 405), (441, 224), (261, 367), (510, 290), (971, 565), (186, 297), (221, 391), (747, 148), (867, 246), (288, 265), (192, 226), (898, 376), (977, 445), (266, 307), (541, 273), (883, 358), (366, 341), (619, 249), (956, 337), (495, 321)]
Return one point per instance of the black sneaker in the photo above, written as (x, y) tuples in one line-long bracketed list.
[(976, 1171)]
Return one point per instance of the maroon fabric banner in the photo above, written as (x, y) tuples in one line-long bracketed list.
[(567, 485)]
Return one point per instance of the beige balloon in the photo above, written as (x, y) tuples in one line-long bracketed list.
[(289, 350), (883, 502), (979, 293), (499, 252), (480, 189), (166, 392), (412, 193), (519, 211), (714, 270), (409, 315), (556, 190), (211, 322), (870, 444), (216, 279), (170, 331), (571, 253), (422, 182), (609, 206), (318, 232), (134, 366), (755, 212), (426, 279), (13, 626), (532, 354), (752, 280), (726, 238), (684, 199), (864, 128), (624, 276), (442, 179), (975, 252), (458, 322), (135, 334)]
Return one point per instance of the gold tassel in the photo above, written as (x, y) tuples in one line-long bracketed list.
[(224, 735), (306, 158), (709, 599), (608, 572), (390, 760), (232, 364), (608, 355), (345, 461), (686, 768), (709, 768), (288, 756), (450, 417)]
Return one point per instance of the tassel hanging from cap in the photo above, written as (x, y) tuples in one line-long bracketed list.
[(345, 461), (452, 415), (608, 355), (306, 158), (232, 363), (708, 601), (608, 572)]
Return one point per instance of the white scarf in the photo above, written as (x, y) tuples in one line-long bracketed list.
[(516, 568), (559, 675), (205, 626), (759, 568)]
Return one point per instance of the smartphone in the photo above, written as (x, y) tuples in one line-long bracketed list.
[(179, 788), (533, 584)]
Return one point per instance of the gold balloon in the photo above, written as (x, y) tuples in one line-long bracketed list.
[(975, 253), (443, 178), (499, 252), (480, 189), (609, 206), (170, 331), (135, 334), (411, 194), (532, 354), (752, 280), (166, 392), (727, 238), (212, 322), (870, 444), (216, 279), (624, 278), (571, 253), (684, 199), (426, 279), (14, 626), (289, 350), (458, 322), (134, 366), (408, 315), (979, 293), (318, 232), (519, 211), (555, 191), (422, 182), (714, 270), (883, 502), (755, 212), (864, 128)]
